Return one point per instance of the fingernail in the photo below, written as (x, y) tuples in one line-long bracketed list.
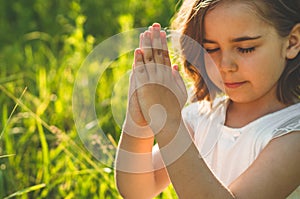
[(163, 34), (147, 34), (138, 51), (175, 67), (156, 28), (156, 25)]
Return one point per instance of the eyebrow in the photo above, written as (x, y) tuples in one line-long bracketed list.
[(246, 38), (239, 39)]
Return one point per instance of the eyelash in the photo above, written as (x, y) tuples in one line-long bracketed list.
[(212, 50), (246, 50), (241, 50)]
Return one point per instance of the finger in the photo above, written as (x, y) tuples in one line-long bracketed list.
[(141, 38), (140, 71), (166, 56), (148, 54), (157, 44), (138, 58), (147, 47), (150, 28)]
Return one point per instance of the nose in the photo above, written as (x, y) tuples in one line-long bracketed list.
[(228, 62)]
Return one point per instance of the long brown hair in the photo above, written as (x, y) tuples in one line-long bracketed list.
[(282, 15)]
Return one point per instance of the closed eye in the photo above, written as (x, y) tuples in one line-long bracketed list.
[(246, 50), (212, 50)]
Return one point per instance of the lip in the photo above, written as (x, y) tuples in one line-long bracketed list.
[(234, 84)]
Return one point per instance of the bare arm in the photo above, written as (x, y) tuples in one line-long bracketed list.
[(189, 174), (275, 173), (137, 174)]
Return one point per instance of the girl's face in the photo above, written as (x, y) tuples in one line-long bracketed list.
[(245, 56)]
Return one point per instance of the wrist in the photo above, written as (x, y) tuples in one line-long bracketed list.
[(136, 144), (136, 130), (173, 142), (161, 117), (171, 126), (172, 123)]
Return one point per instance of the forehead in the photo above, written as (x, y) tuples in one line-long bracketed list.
[(236, 17), (251, 5)]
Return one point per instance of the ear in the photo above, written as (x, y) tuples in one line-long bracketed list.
[(293, 42)]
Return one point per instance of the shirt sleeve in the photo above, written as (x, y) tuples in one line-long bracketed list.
[(290, 126)]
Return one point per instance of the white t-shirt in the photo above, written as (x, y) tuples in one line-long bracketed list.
[(230, 151)]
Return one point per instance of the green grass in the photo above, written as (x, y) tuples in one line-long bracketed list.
[(41, 154)]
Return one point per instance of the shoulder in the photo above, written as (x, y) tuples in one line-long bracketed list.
[(275, 173), (278, 124), (288, 145), (283, 155), (289, 122)]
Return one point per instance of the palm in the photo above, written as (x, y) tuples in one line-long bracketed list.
[(160, 90)]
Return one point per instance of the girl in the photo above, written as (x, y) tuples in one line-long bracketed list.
[(243, 143)]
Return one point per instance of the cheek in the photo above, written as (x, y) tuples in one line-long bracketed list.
[(272, 67), (271, 61)]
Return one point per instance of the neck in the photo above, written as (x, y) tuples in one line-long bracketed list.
[(241, 114)]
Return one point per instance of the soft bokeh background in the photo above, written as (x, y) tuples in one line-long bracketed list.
[(42, 45)]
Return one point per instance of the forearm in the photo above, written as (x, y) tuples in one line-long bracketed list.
[(187, 170), (134, 167)]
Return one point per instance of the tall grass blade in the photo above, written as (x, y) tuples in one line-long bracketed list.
[(6, 156), (11, 78), (26, 190), (45, 152), (12, 112)]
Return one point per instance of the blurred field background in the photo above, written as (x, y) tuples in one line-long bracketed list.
[(42, 45)]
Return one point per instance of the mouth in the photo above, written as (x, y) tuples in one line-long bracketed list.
[(234, 84)]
